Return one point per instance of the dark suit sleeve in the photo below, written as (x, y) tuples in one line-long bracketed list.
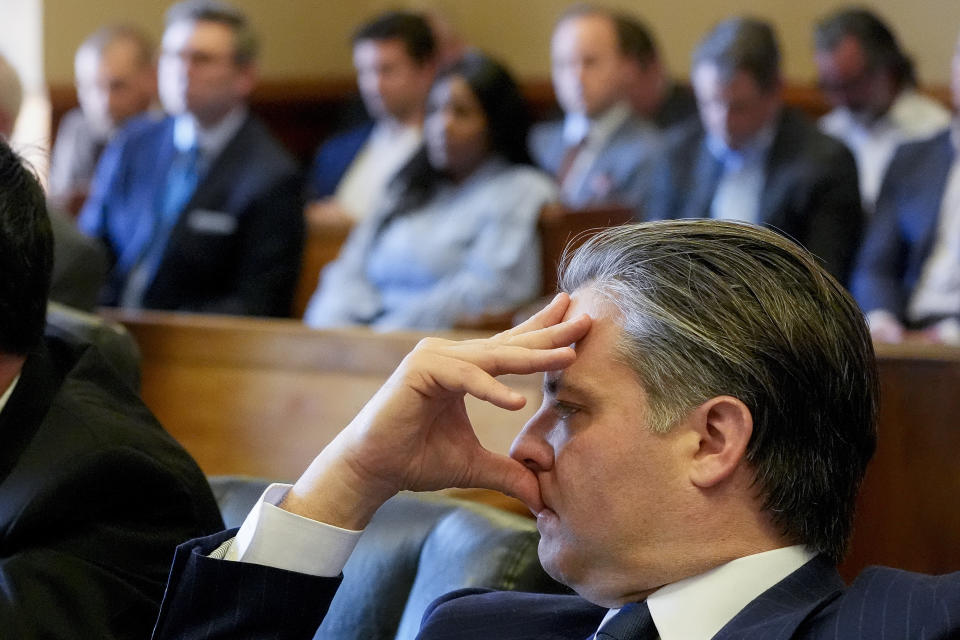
[(834, 214), (208, 599), (270, 251), (877, 280)]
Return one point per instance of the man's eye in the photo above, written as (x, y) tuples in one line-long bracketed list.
[(564, 410)]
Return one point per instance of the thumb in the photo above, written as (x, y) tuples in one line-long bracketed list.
[(503, 473)]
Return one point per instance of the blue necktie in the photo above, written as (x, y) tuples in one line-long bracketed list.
[(182, 179), (181, 182), (632, 622)]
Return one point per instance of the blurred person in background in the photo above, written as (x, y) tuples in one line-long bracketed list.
[(115, 75), (601, 153), (754, 160), (872, 85), (200, 211), (395, 58), (457, 235)]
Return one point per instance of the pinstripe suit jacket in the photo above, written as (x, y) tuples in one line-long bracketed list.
[(812, 602)]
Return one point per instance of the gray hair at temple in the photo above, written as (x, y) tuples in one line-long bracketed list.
[(742, 44), (710, 308), (246, 44), (11, 96)]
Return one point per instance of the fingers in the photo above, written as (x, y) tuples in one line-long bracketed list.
[(459, 376), (546, 317), (501, 473), (557, 335)]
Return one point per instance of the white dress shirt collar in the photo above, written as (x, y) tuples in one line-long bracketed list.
[(577, 126), (188, 133), (718, 595), (753, 152)]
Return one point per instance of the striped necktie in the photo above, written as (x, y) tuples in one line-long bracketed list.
[(632, 622)]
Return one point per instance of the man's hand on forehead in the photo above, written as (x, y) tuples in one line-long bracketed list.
[(414, 434)]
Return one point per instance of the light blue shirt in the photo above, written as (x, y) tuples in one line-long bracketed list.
[(741, 181), (472, 249)]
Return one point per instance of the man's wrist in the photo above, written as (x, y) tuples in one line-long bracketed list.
[(331, 493)]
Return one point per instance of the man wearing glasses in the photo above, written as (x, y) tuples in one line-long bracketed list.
[(200, 211)]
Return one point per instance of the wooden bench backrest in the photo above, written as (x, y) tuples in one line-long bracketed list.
[(560, 228)]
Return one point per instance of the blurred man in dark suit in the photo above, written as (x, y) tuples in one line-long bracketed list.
[(751, 159), (200, 211), (652, 92), (908, 270)]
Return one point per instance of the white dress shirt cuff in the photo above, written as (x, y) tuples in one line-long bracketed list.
[(276, 538)]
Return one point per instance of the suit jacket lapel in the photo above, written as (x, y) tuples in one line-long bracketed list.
[(931, 191), (778, 612), (772, 209), (705, 178), (27, 406)]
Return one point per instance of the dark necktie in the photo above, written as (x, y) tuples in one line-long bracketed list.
[(632, 622), (568, 159)]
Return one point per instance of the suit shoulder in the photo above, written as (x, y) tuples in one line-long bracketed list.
[(509, 614), (638, 136), (348, 137), (897, 603), (800, 143), (259, 142), (142, 130), (936, 148)]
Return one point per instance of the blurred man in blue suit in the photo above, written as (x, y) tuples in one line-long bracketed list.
[(200, 211), (693, 467)]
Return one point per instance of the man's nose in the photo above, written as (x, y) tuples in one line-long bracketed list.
[(531, 447)]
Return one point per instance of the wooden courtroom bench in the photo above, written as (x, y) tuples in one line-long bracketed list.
[(262, 397)]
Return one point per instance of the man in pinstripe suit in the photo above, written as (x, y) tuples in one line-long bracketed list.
[(693, 467)]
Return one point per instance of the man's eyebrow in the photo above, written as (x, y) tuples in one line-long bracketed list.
[(554, 383)]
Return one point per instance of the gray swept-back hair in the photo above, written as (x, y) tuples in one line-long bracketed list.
[(711, 308)]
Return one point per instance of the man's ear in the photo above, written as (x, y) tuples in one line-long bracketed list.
[(723, 426)]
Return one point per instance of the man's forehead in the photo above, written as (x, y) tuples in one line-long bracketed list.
[(593, 30), (599, 347)]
